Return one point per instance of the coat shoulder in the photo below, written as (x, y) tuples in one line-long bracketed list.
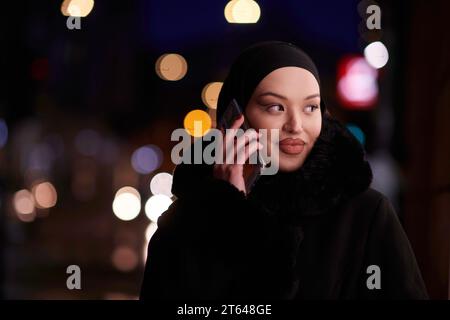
[(371, 196), (367, 201)]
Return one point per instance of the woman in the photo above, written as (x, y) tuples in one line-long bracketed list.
[(313, 230)]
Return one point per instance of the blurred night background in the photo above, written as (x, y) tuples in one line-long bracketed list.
[(86, 117)]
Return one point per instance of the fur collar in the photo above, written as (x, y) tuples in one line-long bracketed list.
[(334, 171)]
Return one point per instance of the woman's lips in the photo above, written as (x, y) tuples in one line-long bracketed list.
[(292, 146)]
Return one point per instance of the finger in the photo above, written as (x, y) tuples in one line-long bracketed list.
[(248, 149), (248, 136), (242, 141), (229, 148), (219, 157)]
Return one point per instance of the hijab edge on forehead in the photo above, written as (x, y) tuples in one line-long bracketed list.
[(254, 64)]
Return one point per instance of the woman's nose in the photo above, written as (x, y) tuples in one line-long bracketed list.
[(294, 124)]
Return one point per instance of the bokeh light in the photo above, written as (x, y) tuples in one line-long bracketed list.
[(357, 86), (151, 229), (146, 159), (149, 232), (119, 296), (197, 123), (376, 54), (23, 203), (127, 203), (130, 190), (171, 67), (45, 195), (124, 258), (357, 132), (77, 8), (3, 133), (161, 183), (156, 205), (242, 11), (210, 94), (144, 253)]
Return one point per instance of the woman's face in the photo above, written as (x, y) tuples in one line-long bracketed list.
[(288, 99)]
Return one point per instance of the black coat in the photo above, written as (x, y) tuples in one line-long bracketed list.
[(306, 234)]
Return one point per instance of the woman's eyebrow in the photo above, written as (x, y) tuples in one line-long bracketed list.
[(269, 93), (315, 95), (272, 94)]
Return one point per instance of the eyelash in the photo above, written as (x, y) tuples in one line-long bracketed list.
[(314, 107)]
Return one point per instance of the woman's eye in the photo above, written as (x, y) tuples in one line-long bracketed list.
[(276, 107), (311, 108)]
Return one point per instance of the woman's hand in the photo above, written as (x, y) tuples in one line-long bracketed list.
[(234, 172)]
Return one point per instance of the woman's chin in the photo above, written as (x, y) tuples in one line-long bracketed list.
[(289, 163)]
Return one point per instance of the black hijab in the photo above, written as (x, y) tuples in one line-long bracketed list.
[(256, 62)]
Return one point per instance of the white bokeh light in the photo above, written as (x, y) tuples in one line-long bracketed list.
[(127, 204), (24, 205), (162, 184), (23, 202), (376, 54), (151, 229), (128, 189), (156, 205)]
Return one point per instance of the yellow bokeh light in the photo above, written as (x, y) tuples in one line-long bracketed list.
[(242, 11), (210, 94), (171, 67), (77, 8), (197, 123), (45, 195), (228, 14)]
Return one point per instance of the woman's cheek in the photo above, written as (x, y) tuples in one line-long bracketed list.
[(314, 128)]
